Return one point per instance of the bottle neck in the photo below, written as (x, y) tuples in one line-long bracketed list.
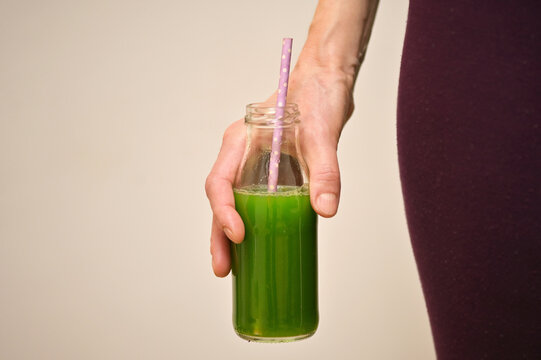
[(272, 157), (262, 115)]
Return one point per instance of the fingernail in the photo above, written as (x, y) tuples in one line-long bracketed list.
[(228, 233), (326, 203)]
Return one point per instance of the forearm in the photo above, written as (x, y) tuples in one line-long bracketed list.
[(338, 36)]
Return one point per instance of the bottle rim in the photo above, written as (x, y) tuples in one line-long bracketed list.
[(264, 115)]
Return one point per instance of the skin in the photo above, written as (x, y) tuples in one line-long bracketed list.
[(322, 85)]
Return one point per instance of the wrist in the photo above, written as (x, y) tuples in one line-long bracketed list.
[(326, 85), (314, 61), (332, 54), (338, 37)]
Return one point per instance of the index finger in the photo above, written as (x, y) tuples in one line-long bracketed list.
[(219, 184)]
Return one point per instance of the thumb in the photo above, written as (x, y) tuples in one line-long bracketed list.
[(324, 176)]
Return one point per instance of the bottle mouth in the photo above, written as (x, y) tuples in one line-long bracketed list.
[(261, 114)]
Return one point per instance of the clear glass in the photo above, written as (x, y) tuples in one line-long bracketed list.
[(260, 125), (274, 269)]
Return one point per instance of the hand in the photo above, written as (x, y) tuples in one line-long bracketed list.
[(325, 103)]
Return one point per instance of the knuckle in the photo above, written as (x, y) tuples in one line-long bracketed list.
[(209, 182), (327, 174), (350, 110), (234, 132), (229, 133)]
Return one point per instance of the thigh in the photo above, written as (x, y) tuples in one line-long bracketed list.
[(469, 141)]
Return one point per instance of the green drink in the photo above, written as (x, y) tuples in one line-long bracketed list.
[(275, 267)]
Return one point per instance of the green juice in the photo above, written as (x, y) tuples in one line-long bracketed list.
[(275, 267)]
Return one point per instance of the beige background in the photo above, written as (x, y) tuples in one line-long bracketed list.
[(111, 115)]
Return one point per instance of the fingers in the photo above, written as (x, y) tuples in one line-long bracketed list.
[(328, 107), (226, 223), (219, 184), (320, 155), (222, 202), (324, 181), (219, 249)]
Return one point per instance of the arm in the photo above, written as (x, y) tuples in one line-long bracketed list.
[(322, 85), (339, 34)]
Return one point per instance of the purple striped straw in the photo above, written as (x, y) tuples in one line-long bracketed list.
[(280, 105)]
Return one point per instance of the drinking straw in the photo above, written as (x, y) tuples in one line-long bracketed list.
[(280, 105)]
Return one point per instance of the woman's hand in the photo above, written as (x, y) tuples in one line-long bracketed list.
[(325, 102), (322, 85)]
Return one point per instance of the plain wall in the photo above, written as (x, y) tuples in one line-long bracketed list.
[(111, 115)]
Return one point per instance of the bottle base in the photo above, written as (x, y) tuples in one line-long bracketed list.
[(274, 339)]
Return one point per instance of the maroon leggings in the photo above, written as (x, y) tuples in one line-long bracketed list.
[(469, 143)]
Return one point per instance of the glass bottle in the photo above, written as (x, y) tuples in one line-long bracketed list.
[(274, 269)]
